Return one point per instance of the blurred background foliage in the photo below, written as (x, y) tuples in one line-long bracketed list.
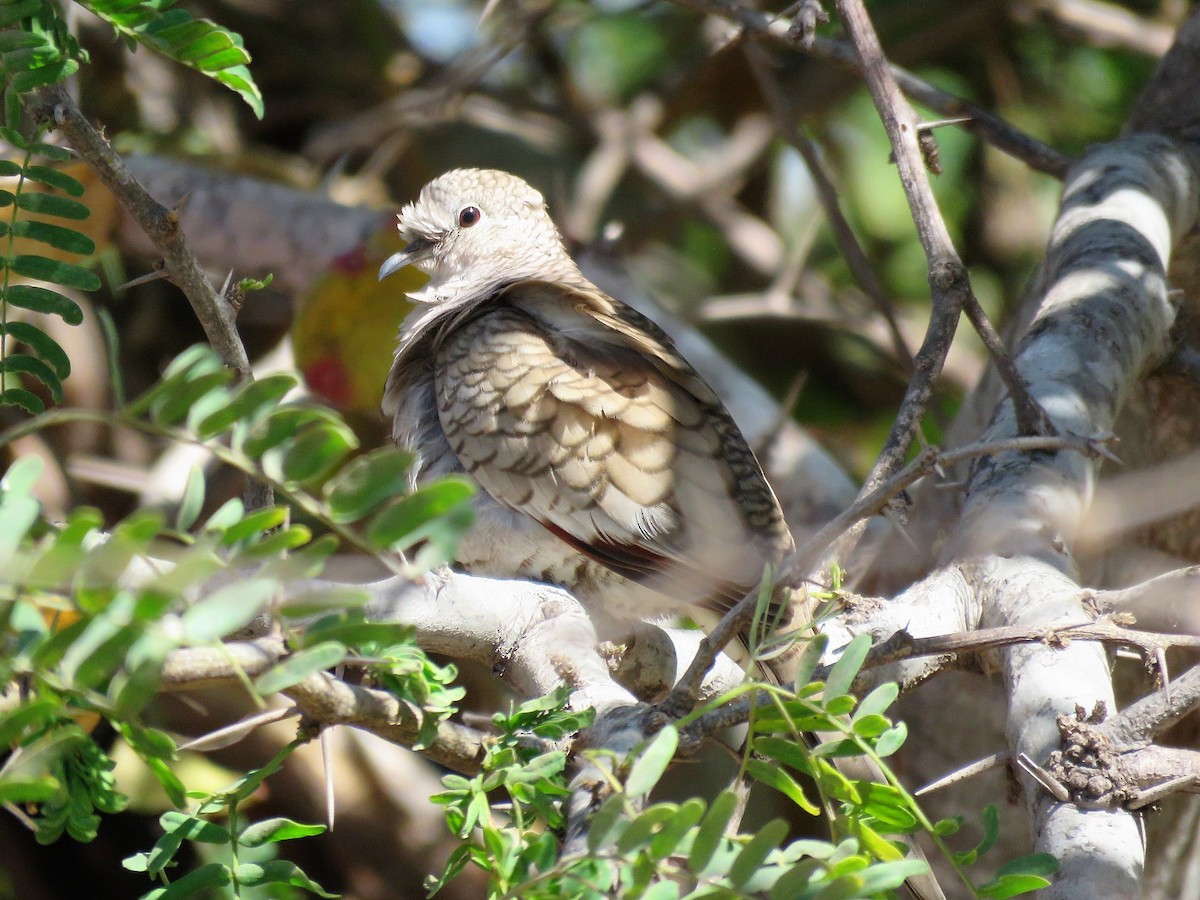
[(366, 100)]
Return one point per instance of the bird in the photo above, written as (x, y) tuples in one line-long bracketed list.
[(606, 465)]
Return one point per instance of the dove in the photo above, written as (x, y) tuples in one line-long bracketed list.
[(606, 465)]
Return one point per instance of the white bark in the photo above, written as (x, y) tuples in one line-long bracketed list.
[(1104, 319)]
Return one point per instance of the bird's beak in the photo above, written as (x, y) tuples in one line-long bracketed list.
[(406, 257)]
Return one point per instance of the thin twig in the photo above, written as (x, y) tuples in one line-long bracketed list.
[(54, 106), (852, 250), (686, 693), (871, 502), (1031, 417), (1157, 712), (983, 124)]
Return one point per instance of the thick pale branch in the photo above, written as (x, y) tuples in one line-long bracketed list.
[(1104, 319)]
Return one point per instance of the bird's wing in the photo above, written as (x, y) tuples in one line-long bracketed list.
[(562, 404)]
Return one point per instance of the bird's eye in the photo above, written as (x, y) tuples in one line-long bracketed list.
[(468, 216)]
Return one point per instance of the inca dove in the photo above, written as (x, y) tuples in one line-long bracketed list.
[(607, 465)]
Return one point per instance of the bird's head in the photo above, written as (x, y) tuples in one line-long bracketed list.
[(474, 230)]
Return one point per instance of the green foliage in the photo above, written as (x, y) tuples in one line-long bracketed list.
[(43, 360), (216, 819), (88, 617), (38, 49), (697, 849), (510, 840), (196, 43)]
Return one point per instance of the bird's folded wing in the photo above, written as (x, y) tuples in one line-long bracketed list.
[(592, 424)]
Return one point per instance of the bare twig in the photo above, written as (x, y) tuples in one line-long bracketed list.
[(54, 106), (1154, 714), (871, 502), (686, 693), (982, 124), (948, 279), (852, 250)]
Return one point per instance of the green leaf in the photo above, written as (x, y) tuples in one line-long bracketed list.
[(249, 399), (368, 482), (809, 659), (197, 43), (55, 178), (172, 406), (29, 716), (644, 826), (56, 236), (888, 807), (299, 666), (1007, 886), (652, 762), (870, 726), (22, 476), (278, 871), (754, 854), (417, 516), (316, 452), (148, 742), (22, 363), (11, 13), (666, 842), (41, 343), (794, 881), (44, 300), (790, 753), (1031, 864), (52, 205), (225, 611), (192, 501), (991, 831), (356, 633), (323, 600), (947, 827), (191, 885), (282, 425), (878, 701), (51, 152), (53, 270), (29, 402), (271, 831), (191, 363), (892, 739), (11, 135), (780, 780), (712, 831), (18, 510), (281, 541), (51, 73), (252, 525), (661, 890), (602, 831), (193, 828), (845, 670), (888, 876)]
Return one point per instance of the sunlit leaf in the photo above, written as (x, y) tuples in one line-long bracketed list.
[(652, 762)]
